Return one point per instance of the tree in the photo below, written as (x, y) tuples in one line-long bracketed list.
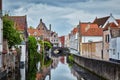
[(45, 44), (10, 33), (31, 27), (32, 44), (34, 57)]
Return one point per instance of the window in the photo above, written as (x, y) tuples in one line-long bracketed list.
[(54, 35), (56, 40), (113, 51), (107, 38)]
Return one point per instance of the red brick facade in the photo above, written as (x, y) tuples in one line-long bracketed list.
[(62, 40)]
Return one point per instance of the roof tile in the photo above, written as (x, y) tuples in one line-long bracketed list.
[(20, 22), (101, 21)]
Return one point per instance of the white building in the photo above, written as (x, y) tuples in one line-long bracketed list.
[(114, 45), (114, 52), (73, 41), (67, 41), (54, 39), (85, 33), (90, 32)]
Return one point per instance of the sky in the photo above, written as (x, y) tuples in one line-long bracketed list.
[(63, 15)]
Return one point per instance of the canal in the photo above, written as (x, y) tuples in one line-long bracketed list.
[(59, 68)]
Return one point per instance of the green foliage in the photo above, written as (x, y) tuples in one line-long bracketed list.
[(32, 44), (71, 58), (10, 33), (31, 27), (34, 57), (45, 45)]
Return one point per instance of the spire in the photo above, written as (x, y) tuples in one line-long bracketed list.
[(79, 22), (50, 27), (110, 14), (40, 20)]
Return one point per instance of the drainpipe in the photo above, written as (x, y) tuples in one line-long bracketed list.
[(79, 39), (102, 44)]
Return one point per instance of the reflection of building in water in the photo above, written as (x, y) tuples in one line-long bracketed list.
[(62, 59), (75, 73), (55, 62), (45, 71), (23, 72), (15, 75), (83, 74), (38, 76)]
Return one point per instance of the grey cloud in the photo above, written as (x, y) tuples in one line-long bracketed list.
[(62, 13)]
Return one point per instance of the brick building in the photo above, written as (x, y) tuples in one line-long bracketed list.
[(62, 41)]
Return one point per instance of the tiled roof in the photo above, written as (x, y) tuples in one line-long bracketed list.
[(93, 32), (90, 29), (34, 32), (20, 22), (111, 25), (85, 26), (75, 30), (101, 21), (118, 21)]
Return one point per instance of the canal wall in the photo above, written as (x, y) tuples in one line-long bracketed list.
[(105, 69)]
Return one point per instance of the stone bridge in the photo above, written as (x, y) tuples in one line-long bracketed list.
[(59, 51)]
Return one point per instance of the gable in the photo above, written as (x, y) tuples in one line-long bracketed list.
[(111, 19), (101, 21), (42, 26)]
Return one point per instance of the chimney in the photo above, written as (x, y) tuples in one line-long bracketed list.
[(50, 27)]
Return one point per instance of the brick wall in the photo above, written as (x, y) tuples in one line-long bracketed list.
[(105, 46), (92, 50)]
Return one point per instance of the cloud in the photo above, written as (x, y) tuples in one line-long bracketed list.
[(62, 14)]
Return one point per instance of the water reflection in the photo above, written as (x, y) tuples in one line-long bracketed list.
[(61, 70), (22, 73), (17, 74), (83, 74), (58, 69)]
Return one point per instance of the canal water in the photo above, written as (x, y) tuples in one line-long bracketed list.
[(60, 69)]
